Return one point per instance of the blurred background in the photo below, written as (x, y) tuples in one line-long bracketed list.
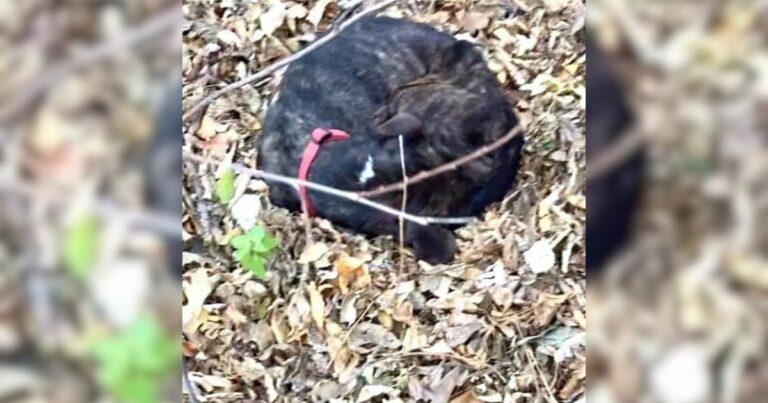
[(90, 123), (678, 186)]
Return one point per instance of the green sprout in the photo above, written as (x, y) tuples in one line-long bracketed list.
[(252, 248), (80, 246), (225, 187), (132, 363)]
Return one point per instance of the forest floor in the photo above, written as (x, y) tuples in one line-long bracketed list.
[(337, 317)]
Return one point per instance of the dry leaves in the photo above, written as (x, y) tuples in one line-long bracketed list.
[(337, 319)]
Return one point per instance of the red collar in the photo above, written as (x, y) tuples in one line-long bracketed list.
[(319, 136)]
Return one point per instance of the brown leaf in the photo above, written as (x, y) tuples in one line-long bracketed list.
[(373, 335), (317, 305), (474, 21)]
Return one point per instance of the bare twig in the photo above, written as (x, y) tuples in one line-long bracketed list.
[(450, 166), (614, 155), (166, 224), (351, 196), (188, 383), (199, 107), (402, 206), (28, 92)]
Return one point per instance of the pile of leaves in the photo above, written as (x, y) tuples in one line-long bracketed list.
[(83, 292), (335, 315), (687, 300)]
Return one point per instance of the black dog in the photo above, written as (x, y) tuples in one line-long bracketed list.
[(378, 79), (612, 197), (162, 168)]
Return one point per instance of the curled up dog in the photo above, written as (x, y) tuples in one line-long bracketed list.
[(342, 108)]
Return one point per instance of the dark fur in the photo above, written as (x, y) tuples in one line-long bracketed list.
[(163, 169), (377, 79), (613, 197)]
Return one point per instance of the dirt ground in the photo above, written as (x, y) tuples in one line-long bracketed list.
[(337, 318)]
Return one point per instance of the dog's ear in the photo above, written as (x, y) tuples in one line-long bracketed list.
[(403, 123)]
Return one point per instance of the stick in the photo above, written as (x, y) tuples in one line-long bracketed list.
[(29, 91), (157, 221), (188, 383), (351, 196), (196, 110), (450, 166), (401, 224), (614, 155)]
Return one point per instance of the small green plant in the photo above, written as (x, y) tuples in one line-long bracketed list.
[(225, 187), (80, 245), (252, 248), (132, 363)]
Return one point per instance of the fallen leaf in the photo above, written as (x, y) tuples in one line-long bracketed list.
[(196, 291), (373, 335), (228, 37), (207, 128), (540, 257), (466, 397), (313, 252), (458, 335), (474, 21), (245, 211), (368, 392), (317, 304), (273, 18), (317, 12), (350, 270), (235, 315)]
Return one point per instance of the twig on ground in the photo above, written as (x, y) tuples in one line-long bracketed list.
[(29, 91), (450, 166), (196, 110), (188, 383), (402, 206), (351, 196), (614, 155), (157, 221)]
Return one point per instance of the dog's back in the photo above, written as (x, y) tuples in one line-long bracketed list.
[(378, 79)]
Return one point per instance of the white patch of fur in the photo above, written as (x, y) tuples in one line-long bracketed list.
[(367, 173)]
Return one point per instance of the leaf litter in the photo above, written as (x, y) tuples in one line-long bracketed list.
[(336, 318)]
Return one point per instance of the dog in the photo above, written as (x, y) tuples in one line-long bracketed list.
[(613, 196), (163, 169), (377, 80)]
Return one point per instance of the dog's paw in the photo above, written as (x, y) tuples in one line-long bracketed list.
[(432, 244)]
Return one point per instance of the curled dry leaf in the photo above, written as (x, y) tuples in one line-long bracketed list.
[(373, 336), (245, 210), (313, 252), (474, 21), (540, 257), (317, 12), (273, 18), (317, 305), (196, 291), (351, 271), (368, 392)]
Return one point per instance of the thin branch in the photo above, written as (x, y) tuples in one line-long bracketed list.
[(402, 206), (191, 395), (28, 92), (199, 107), (617, 153), (351, 196), (450, 166), (157, 221)]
